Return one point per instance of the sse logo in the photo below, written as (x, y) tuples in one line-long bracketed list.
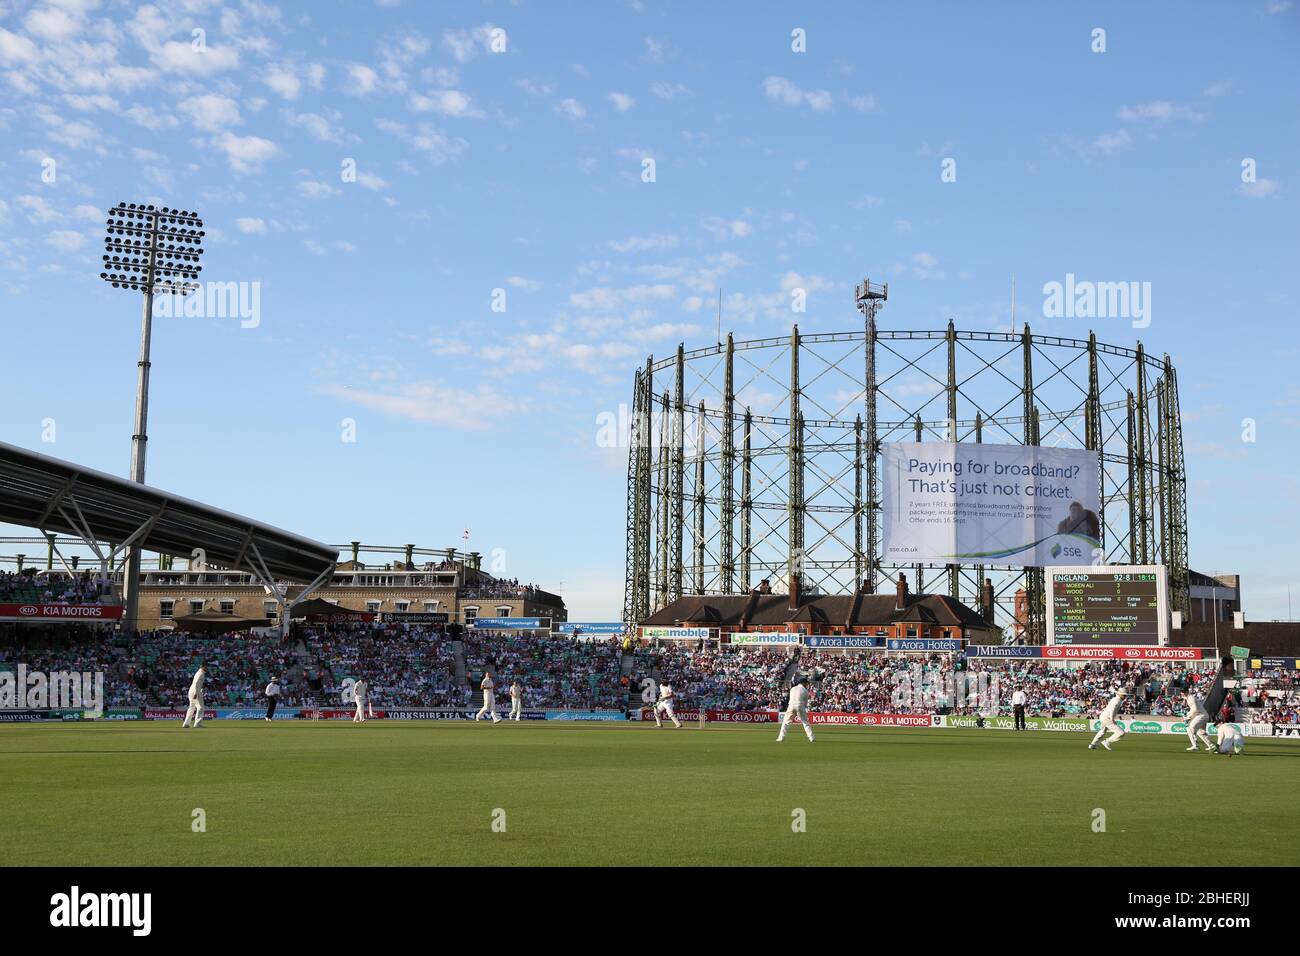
[(28, 611)]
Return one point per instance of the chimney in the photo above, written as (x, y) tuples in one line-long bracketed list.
[(764, 587), (901, 603), (986, 600), (356, 551), (794, 592), (410, 556), (868, 585)]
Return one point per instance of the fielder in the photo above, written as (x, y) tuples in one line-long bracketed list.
[(360, 693), (195, 711), (1230, 740), (516, 701), (489, 699), (664, 705), (798, 707), (1107, 718), (1198, 718)]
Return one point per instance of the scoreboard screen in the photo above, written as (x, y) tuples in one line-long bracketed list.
[(1108, 605)]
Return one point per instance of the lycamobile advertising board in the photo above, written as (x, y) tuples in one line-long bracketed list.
[(674, 633), (954, 503)]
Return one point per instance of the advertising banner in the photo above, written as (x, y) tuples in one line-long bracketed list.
[(413, 617), (584, 715), (951, 503), (61, 612), (848, 641), (1286, 730), (1002, 650), (969, 722), (675, 633), (870, 720), (605, 628), (1275, 663), (924, 645), (513, 623), (753, 640), (442, 713), (1069, 652)]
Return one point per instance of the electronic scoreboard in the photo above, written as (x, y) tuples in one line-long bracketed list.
[(1108, 605)]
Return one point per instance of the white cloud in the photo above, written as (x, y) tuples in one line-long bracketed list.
[(315, 189), (361, 79), (863, 104), (519, 282), (250, 225), (246, 154), (721, 228), (605, 298), (570, 109), (318, 126), (53, 24), (781, 90), (669, 91), (66, 240), (1108, 144), (372, 182), (1260, 189), (211, 112), (1159, 111), (444, 103), (622, 102), (176, 57), (17, 50), (464, 45), (1218, 88), (284, 80), (437, 404), (643, 243)]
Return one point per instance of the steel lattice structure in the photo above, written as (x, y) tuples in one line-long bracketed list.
[(758, 459)]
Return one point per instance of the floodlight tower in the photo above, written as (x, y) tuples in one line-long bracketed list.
[(148, 249)]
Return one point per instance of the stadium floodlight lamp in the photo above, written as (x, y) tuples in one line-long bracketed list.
[(154, 250)]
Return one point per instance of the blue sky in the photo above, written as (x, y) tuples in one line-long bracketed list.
[(520, 169)]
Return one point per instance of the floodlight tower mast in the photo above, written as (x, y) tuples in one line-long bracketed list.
[(151, 250), (870, 298)]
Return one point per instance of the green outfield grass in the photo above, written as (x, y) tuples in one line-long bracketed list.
[(418, 793)]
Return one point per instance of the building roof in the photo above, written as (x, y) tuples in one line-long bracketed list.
[(56, 496)]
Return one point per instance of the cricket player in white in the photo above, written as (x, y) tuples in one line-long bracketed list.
[(1230, 740), (798, 707), (1198, 718), (360, 693), (195, 711), (489, 699), (664, 705), (516, 701), (1107, 718)]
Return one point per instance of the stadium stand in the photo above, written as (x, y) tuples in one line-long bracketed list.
[(55, 587)]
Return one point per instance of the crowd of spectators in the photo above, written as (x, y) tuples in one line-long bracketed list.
[(500, 589), (1274, 692), (406, 665), (56, 587), (742, 679), (555, 672), (711, 677)]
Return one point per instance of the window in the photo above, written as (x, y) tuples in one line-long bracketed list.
[(227, 607), (165, 609), (471, 615), (269, 609), (912, 632), (503, 610), (196, 606), (431, 606), (403, 606), (373, 606)]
